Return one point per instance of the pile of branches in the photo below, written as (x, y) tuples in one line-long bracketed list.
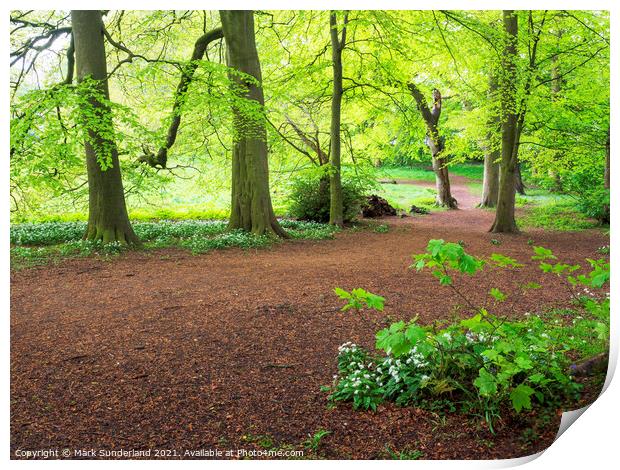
[(375, 206)]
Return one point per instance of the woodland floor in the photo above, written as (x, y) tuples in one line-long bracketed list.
[(229, 349)]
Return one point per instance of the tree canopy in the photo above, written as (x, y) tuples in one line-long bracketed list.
[(172, 91)]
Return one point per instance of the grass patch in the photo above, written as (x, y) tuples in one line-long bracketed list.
[(560, 215), (418, 172), (541, 197), (402, 196), (40, 243), (474, 171), (423, 172)]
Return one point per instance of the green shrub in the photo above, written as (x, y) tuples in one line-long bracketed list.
[(309, 196), (586, 185), (594, 203), (486, 363)]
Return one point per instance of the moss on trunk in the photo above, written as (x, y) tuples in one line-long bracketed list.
[(251, 207), (108, 220)]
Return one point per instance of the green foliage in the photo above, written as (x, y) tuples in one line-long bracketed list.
[(403, 454), (380, 123), (485, 363), (37, 243), (314, 442), (594, 203), (441, 257), (424, 172), (558, 216), (309, 196), (358, 298)]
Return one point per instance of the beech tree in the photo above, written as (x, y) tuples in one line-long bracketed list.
[(251, 208), (505, 212), (107, 213), (436, 144), (338, 41), (514, 110), (490, 178)]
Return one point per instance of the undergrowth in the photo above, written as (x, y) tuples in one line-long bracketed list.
[(486, 365), (39, 243), (560, 215)]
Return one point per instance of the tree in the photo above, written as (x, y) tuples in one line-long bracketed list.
[(251, 208), (107, 213), (436, 144), (505, 212), (513, 113), (490, 178), (338, 42)]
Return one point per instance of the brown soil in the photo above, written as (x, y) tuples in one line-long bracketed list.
[(165, 350)]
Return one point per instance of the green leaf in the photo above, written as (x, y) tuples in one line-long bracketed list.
[(523, 362), (415, 334), (341, 293), (434, 246), (542, 253), (393, 339), (486, 383), (491, 354), (536, 378), (497, 294), (504, 261), (520, 397), (532, 285)]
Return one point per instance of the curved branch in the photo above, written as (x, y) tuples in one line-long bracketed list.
[(70, 62), (187, 74)]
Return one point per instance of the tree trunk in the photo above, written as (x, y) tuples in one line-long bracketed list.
[(107, 213), (607, 209), (607, 166), (490, 179), (490, 183), (556, 85), (505, 212), (436, 145), (251, 208), (442, 183), (335, 182), (519, 186)]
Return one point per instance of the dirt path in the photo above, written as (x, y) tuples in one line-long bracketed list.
[(173, 351)]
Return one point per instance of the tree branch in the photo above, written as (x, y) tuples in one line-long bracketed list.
[(187, 75)]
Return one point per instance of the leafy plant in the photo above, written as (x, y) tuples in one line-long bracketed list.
[(38, 243), (403, 454), (359, 298), (484, 363), (313, 442), (309, 196)]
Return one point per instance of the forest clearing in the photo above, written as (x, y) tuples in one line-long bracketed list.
[(284, 235)]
